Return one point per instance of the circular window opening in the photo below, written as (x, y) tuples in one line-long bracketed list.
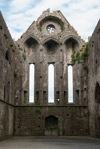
[(51, 28)]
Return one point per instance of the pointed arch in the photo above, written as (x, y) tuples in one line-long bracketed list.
[(70, 37), (53, 19), (51, 45), (50, 39), (30, 39)]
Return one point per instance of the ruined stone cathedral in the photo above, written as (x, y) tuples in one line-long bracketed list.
[(49, 80)]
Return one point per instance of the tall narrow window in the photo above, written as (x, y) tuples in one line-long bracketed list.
[(70, 83), (31, 82), (51, 83)]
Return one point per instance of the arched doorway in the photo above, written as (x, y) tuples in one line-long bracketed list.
[(51, 126)]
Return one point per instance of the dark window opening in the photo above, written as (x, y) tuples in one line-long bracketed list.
[(5, 36), (97, 93), (37, 97), (96, 61), (72, 43), (30, 42), (44, 96), (65, 95), (7, 55), (25, 96), (0, 27), (51, 45), (77, 95)]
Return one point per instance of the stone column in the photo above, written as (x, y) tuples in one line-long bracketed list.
[(41, 81), (61, 77)]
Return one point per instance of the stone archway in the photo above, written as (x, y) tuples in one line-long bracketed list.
[(51, 126)]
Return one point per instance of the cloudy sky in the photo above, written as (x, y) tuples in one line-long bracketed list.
[(51, 83), (31, 83), (82, 14)]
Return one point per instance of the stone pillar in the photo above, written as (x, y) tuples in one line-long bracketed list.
[(61, 77), (41, 79), (65, 75)]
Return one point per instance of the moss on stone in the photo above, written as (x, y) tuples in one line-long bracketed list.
[(24, 56), (38, 111), (86, 68), (81, 57), (15, 74)]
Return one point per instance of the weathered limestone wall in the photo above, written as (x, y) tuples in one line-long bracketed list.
[(72, 120), (94, 82), (38, 46), (6, 120), (7, 50)]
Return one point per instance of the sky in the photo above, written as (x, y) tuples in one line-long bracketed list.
[(83, 15), (51, 83), (31, 82), (70, 84)]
